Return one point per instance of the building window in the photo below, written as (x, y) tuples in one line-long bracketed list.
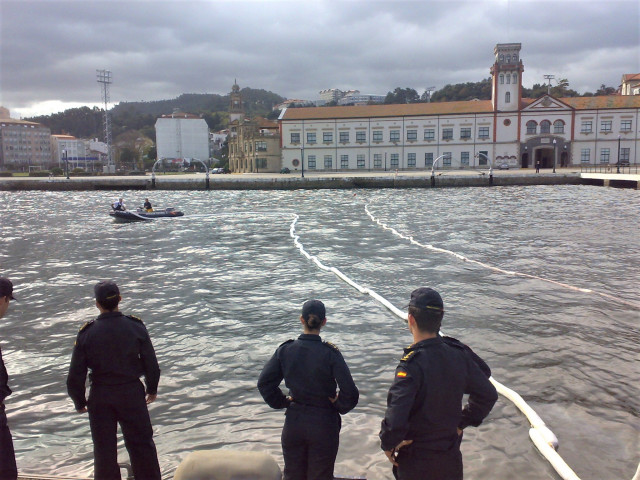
[(586, 127), (377, 135), (558, 126), (625, 125), (429, 134), (344, 161), (483, 157), (328, 161), (465, 133), (360, 160), (483, 132), (447, 133), (604, 155), (377, 160), (261, 146), (411, 160), (515, 78), (464, 158), (508, 58), (545, 126), (361, 136), (412, 135), (532, 127), (507, 96), (625, 155), (295, 138), (428, 159), (311, 137), (394, 135), (508, 78), (501, 79), (605, 126), (446, 159), (327, 137), (261, 163), (311, 162), (585, 155), (395, 160), (344, 137)]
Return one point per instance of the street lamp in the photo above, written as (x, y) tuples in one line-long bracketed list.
[(555, 154), (66, 163), (618, 169), (302, 160), (433, 166)]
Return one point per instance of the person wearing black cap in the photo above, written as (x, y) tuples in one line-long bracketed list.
[(8, 469), (422, 428), (311, 370), (118, 351)]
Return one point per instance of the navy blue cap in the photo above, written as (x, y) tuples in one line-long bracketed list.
[(6, 288), (425, 297), (314, 307), (106, 290)]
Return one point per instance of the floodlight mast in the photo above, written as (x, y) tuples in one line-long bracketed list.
[(549, 77), (104, 77)]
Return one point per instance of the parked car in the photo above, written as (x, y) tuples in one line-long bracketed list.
[(624, 163), (503, 166), (285, 170)]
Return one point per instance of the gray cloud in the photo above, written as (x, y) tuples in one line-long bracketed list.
[(50, 50)]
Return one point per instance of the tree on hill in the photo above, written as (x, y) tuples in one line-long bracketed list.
[(463, 91), (402, 95)]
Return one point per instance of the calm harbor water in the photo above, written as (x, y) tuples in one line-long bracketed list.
[(221, 287)]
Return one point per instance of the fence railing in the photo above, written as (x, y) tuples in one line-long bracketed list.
[(628, 169)]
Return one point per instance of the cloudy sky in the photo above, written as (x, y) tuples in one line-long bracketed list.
[(50, 50)]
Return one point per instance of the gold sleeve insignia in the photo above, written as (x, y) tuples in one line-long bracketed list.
[(329, 344), (85, 326)]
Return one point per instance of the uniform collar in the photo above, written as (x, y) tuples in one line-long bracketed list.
[(107, 315), (423, 343), (310, 336)]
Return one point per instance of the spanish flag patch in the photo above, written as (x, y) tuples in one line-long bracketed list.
[(401, 374)]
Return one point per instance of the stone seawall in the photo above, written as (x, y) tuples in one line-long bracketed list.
[(285, 182)]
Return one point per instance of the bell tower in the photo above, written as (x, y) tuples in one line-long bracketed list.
[(236, 110), (506, 77)]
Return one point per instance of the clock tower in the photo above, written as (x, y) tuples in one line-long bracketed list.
[(506, 78), (236, 110)]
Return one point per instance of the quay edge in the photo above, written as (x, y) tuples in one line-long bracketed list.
[(309, 182)]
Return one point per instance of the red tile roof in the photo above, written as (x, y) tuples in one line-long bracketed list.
[(448, 108)]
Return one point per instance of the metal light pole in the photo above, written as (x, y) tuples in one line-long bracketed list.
[(66, 163), (555, 154), (618, 169), (433, 173), (302, 160), (385, 161)]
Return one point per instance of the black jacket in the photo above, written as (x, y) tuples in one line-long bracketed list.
[(311, 370), (424, 403), (117, 349), (5, 391)]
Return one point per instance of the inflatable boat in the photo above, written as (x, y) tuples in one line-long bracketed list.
[(140, 215)]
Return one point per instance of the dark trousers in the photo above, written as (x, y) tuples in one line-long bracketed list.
[(415, 463), (124, 405), (8, 469), (310, 440)]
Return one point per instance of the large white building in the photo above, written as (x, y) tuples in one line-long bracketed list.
[(182, 136), (507, 129)]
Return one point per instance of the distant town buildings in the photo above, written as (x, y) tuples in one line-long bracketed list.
[(182, 136), (69, 152), (23, 145), (254, 143), (508, 129), (349, 97), (630, 84)]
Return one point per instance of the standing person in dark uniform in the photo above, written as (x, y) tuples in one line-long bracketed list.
[(422, 428), (311, 369), (537, 166), (8, 469), (147, 205), (117, 349)]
